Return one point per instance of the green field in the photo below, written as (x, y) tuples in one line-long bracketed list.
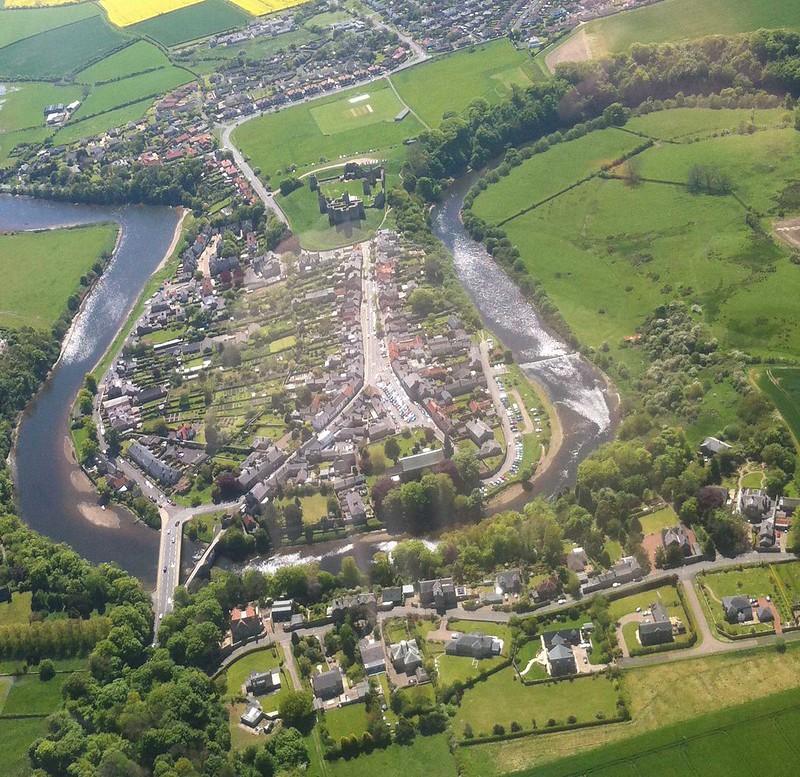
[(17, 735), (19, 23), (782, 386), (503, 699), (450, 83), (59, 52), (109, 96), (764, 730), (191, 23), (345, 721), (362, 109), (257, 661), (23, 104), (42, 269), (544, 175), (103, 122), (673, 20), (18, 610), (660, 519), (136, 58), (30, 696), (425, 757), (666, 594), (687, 123)]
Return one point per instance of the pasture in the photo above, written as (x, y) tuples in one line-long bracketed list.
[(114, 94), (728, 679), (19, 23), (688, 123), (673, 20), (123, 13), (85, 128), (41, 270), (425, 757), (133, 59), (782, 386), (503, 699), (22, 105), (61, 51), (17, 736), (448, 84), (192, 22), (546, 174)]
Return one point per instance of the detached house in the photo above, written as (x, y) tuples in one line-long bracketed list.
[(659, 632)]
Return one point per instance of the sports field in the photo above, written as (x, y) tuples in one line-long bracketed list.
[(782, 386), (133, 59), (356, 111), (59, 52), (195, 20), (16, 24), (41, 270), (673, 20), (262, 7), (450, 83), (124, 12)]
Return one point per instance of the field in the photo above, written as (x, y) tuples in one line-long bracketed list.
[(660, 519), (59, 52), (76, 130), (136, 58), (22, 106), (192, 22), (35, 3), (765, 731), (262, 7), (124, 13), (107, 97), (687, 123), (17, 24), (674, 20), (502, 699), (18, 610), (544, 175), (782, 386), (42, 269), (728, 680), (426, 757), (360, 110), (17, 736), (449, 84), (608, 252), (344, 721)]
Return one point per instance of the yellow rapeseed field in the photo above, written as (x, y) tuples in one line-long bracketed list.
[(261, 7), (126, 12), (35, 3)]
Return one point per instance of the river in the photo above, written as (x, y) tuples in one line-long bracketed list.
[(53, 495)]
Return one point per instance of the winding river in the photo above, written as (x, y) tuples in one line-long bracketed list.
[(54, 496)]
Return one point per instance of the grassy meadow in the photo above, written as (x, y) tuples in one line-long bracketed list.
[(136, 58), (41, 270), (19, 23), (24, 102), (782, 386)]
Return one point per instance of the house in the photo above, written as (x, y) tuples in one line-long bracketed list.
[(372, 656), (755, 504), (509, 581), (393, 596), (419, 461), (577, 560), (245, 623), (152, 465), (659, 631), (282, 610), (259, 683), (328, 685), (360, 607), (764, 614), (766, 535), (252, 717), (561, 661), (405, 656), (737, 609), (439, 594), (479, 432), (680, 537), (474, 646), (711, 446)]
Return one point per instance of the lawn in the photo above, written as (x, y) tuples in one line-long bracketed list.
[(314, 507), (448, 84), (482, 627), (753, 480), (30, 696), (425, 757), (124, 12), (114, 94), (18, 24), (366, 107), (17, 735), (765, 730), (727, 679), (136, 58), (293, 136), (664, 518), (18, 610), (782, 386), (61, 51), (673, 20), (546, 174), (190, 23), (503, 699), (258, 661), (666, 594), (754, 582), (22, 105), (41, 270), (344, 721), (461, 668)]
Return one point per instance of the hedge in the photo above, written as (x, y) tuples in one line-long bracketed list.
[(540, 731)]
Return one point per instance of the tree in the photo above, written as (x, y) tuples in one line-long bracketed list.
[(423, 301), (392, 449), (47, 670), (349, 573), (295, 708)]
